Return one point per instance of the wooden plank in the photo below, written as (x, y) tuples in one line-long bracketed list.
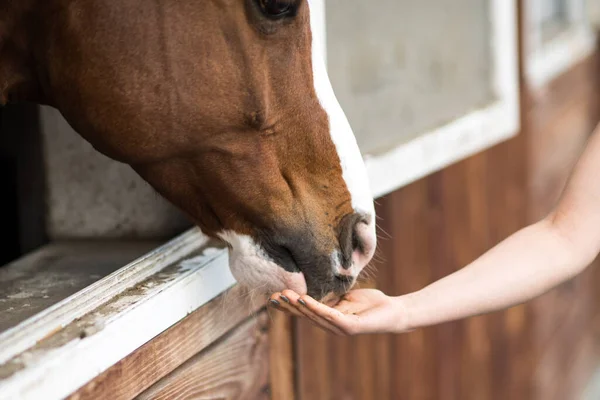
[(413, 353), (382, 349), (510, 332), (236, 367), (345, 357), (465, 194), (447, 339), (362, 351), (315, 367), (163, 354), (281, 357)]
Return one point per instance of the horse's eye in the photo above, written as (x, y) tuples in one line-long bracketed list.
[(277, 8)]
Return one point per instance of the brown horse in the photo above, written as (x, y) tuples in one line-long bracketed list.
[(224, 107)]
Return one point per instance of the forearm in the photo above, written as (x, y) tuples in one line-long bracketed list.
[(524, 266), (528, 263)]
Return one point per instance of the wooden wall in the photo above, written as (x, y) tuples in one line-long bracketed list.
[(567, 321), (543, 350), (428, 230), (220, 351)]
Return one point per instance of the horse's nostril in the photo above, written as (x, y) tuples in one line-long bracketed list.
[(357, 243), (349, 238)]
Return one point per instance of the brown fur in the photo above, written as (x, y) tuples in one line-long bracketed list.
[(209, 101)]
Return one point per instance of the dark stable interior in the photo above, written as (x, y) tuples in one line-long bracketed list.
[(21, 175)]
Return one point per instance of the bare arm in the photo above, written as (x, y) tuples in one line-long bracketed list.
[(524, 266)]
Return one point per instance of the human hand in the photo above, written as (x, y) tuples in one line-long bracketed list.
[(360, 311)]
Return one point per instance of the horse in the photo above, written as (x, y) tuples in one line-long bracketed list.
[(225, 108)]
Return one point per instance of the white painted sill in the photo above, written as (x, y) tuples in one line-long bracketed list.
[(52, 354)]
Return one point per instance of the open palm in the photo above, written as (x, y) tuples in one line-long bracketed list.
[(360, 311)]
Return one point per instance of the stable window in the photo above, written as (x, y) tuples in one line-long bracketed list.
[(559, 35), (423, 95)]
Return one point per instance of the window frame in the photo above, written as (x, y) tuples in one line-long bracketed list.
[(545, 61), (468, 134)]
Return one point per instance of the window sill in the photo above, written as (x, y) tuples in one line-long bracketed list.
[(88, 332)]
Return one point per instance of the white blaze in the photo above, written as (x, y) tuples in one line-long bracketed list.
[(353, 167)]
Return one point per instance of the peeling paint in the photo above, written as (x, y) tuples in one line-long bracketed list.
[(53, 273)]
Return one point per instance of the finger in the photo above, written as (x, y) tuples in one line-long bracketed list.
[(297, 302), (320, 309), (275, 305), (322, 323), (292, 296), (282, 303), (318, 319), (331, 316)]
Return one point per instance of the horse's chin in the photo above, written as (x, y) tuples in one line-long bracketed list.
[(252, 269)]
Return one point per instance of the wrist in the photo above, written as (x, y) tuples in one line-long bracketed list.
[(404, 320)]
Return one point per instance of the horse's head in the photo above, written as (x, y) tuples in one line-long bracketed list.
[(225, 108)]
